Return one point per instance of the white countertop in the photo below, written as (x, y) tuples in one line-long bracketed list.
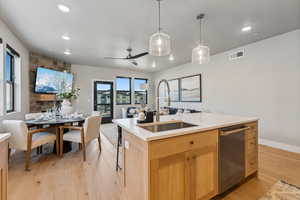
[(4, 136), (204, 122)]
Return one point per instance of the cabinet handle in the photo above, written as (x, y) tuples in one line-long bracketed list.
[(191, 142)]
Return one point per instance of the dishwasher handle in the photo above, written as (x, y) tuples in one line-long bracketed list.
[(225, 133)]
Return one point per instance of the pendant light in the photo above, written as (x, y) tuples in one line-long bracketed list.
[(160, 43), (200, 54)]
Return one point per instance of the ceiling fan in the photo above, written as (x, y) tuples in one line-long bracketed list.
[(130, 57)]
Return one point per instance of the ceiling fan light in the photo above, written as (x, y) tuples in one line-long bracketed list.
[(200, 54), (160, 44)]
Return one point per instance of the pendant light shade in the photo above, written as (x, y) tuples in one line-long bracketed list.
[(200, 54), (159, 43)]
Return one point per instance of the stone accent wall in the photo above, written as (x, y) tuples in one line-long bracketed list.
[(42, 102)]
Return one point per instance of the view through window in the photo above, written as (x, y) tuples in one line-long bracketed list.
[(123, 90), (10, 82), (140, 93)]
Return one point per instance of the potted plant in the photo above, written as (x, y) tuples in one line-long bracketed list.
[(67, 97)]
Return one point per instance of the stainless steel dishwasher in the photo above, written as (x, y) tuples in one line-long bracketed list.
[(231, 156)]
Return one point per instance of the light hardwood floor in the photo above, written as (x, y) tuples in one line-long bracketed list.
[(69, 178)]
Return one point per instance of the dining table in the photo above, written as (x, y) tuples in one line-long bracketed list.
[(55, 123)]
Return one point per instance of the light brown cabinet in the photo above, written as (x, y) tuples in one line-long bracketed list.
[(203, 176), (169, 177), (189, 175), (3, 170)]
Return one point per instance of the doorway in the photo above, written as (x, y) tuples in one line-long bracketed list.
[(103, 100)]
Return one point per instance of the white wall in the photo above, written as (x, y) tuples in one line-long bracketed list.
[(265, 83), (23, 97), (85, 76)]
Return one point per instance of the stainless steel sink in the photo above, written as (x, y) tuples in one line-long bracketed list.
[(166, 126)]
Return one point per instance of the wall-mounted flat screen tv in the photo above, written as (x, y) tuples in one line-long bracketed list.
[(50, 81)]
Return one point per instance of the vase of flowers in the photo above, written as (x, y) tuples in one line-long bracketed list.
[(67, 97)]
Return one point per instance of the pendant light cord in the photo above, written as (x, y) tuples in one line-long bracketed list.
[(159, 28), (200, 23), (200, 17)]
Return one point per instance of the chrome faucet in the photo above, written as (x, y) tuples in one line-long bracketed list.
[(157, 96)]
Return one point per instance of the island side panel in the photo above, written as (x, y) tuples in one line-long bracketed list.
[(135, 168)]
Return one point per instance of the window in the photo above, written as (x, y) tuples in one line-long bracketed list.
[(9, 82), (123, 90), (140, 91), (9, 73)]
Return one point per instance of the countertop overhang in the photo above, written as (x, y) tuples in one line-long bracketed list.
[(203, 121)]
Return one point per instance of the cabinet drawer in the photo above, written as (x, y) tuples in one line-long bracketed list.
[(251, 134), (179, 144), (253, 126), (251, 163), (251, 145)]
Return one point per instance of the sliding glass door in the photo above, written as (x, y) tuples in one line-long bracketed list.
[(103, 100)]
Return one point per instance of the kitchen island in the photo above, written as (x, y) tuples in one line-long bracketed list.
[(188, 162)]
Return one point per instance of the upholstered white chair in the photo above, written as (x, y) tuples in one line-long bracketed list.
[(82, 135), (26, 140)]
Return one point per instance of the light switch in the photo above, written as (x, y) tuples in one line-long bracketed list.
[(126, 144)]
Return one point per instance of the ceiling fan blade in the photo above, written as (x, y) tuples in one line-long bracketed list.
[(134, 62), (139, 55), (115, 58)]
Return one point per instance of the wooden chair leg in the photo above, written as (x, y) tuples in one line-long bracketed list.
[(80, 146), (61, 141), (99, 142), (27, 159), (57, 142), (28, 152), (84, 151), (8, 153), (83, 145)]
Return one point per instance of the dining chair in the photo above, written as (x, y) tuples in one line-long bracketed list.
[(25, 140), (82, 135)]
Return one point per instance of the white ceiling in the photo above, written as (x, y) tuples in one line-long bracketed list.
[(100, 28)]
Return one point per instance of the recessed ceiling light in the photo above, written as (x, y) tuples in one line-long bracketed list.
[(63, 8), (65, 37), (171, 57), (247, 28), (153, 65), (67, 52)]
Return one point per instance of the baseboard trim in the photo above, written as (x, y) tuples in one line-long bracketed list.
[(279, 145)]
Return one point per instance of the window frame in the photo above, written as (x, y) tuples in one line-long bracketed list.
[(122, 91), (11, 81), (146, 91)]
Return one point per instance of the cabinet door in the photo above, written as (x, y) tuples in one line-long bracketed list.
[(203, 174), (168, 178)]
